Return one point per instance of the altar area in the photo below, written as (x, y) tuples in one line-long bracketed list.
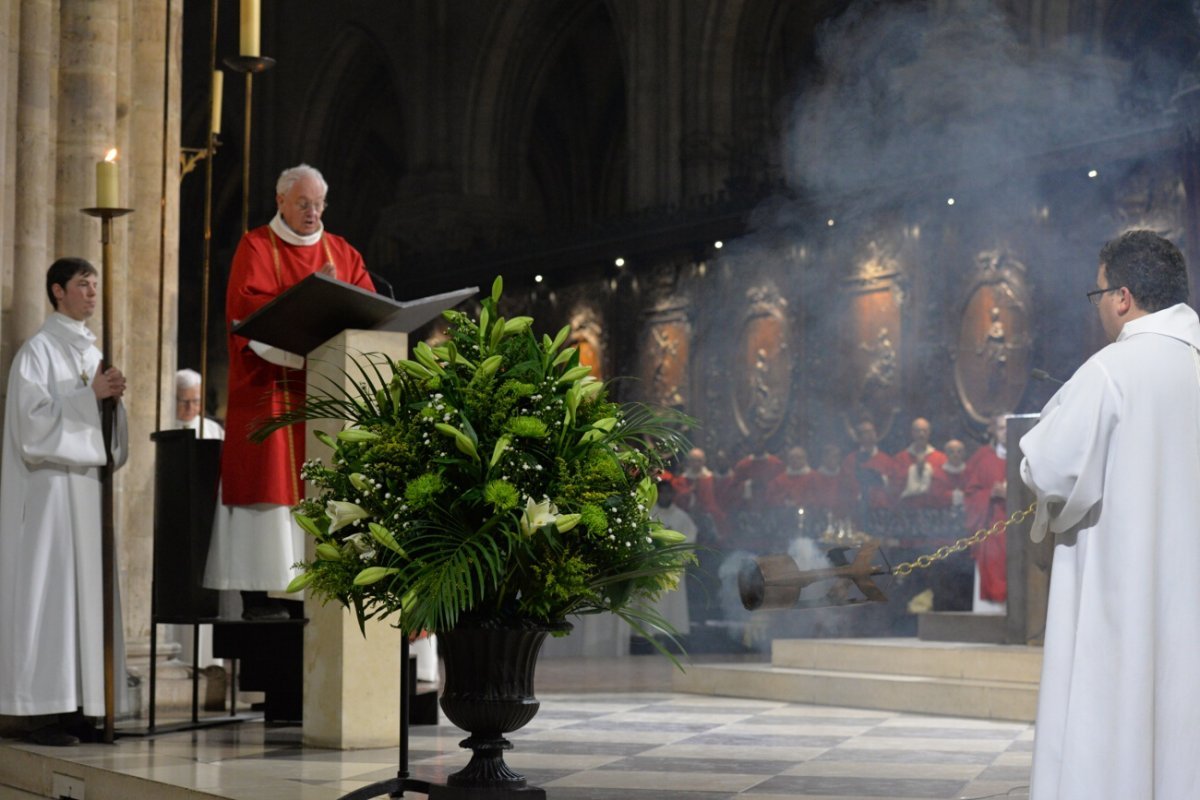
[(625, 728)]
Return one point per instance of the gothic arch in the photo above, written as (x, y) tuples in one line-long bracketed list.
[(357, 138), (522, 86)]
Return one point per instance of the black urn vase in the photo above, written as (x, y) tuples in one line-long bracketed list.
[(488, 691)]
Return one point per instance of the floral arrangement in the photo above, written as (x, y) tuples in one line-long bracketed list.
[(490, 477)]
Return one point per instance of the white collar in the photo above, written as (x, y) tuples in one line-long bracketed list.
[(290, 236), (793, 472), (831, 473), (953, 470), (73, 332)]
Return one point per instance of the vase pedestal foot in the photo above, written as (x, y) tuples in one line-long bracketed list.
[(440, 792)]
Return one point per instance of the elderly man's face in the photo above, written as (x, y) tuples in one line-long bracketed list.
[(301, 207), (797, 459), (920, 432), (187, 403), (956, 452), (865, 435)]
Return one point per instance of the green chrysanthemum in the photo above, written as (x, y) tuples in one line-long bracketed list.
[(527, 427), (423, 491), (594, 519), (501, 495)]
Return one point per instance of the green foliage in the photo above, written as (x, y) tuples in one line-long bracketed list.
[(489, 475)]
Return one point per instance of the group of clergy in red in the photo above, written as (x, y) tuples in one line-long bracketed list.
[(866, 480)]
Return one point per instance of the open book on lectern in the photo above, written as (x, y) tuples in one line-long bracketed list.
[(316, 309)]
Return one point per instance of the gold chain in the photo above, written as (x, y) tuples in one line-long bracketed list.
[(925, 561)]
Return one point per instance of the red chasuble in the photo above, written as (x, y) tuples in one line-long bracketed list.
[(985, 470), (263, 267)]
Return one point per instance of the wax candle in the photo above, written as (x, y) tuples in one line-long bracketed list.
[(250, 28), (106, 181), (218, 87)]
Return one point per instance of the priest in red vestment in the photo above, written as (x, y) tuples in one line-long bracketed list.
[(870, 470), (950, 480), (915, 466), (986, 503), (696, 492), (792, 488), (260, 482)]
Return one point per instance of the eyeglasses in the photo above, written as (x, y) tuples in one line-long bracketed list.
[(1095, 294), (304, 205)]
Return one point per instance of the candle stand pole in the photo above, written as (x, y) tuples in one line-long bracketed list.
[(108, 409)]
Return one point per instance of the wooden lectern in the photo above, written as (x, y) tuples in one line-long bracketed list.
[(352, 690)]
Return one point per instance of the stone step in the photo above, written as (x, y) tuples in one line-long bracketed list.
[(966, 680)]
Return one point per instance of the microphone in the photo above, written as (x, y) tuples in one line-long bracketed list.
[(1042, 375), (378, 279)]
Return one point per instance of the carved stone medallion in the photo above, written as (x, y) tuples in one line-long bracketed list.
[(992, 356), (762, 370)]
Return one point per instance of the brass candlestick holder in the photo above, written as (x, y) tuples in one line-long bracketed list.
[(251, 66), (108, 411)]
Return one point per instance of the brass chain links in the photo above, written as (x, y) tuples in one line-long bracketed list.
[(927, 560)]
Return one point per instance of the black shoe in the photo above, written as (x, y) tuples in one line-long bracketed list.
[(51, 736), (264, 613)]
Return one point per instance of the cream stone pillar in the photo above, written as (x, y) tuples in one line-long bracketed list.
[(654, 91), (151, 247), (87, 112), (351, 682), (151, 241), (34, 178)]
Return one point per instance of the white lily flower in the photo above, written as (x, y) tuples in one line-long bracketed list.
[(537, 514), (342, 514)]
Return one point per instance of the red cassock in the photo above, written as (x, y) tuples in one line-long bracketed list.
[(901, 462), (945, 482), (788, 490), (758, 471), (263, 267), (867, 477), (831, 493), (699, 495), (985, 470)]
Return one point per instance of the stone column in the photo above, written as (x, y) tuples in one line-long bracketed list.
[(87, 110), (144, 332), (34, 184), (654, 92)]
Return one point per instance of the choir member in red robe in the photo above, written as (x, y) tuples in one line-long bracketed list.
[(869, 470), (950, 480), (986, 493), (832, 488), (753, 474), (696, 491), (914, 468), (792, 488), (255, 551)]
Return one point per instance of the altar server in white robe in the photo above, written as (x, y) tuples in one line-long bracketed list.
[(1115, 464), (51, 604)]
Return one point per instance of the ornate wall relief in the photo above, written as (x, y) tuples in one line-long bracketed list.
[(663, 359), (762, 369), (992, 357), (587, 334), (871, 335)]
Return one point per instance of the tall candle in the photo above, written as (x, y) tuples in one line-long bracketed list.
[(218, 87), (250, 28), (106, 181)]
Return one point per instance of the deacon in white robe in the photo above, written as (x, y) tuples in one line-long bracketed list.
[(51, 601), (1115, 464)]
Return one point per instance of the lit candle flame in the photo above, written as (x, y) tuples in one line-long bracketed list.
[(111, 155)]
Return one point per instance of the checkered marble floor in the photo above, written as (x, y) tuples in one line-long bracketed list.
[(620, 745)]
